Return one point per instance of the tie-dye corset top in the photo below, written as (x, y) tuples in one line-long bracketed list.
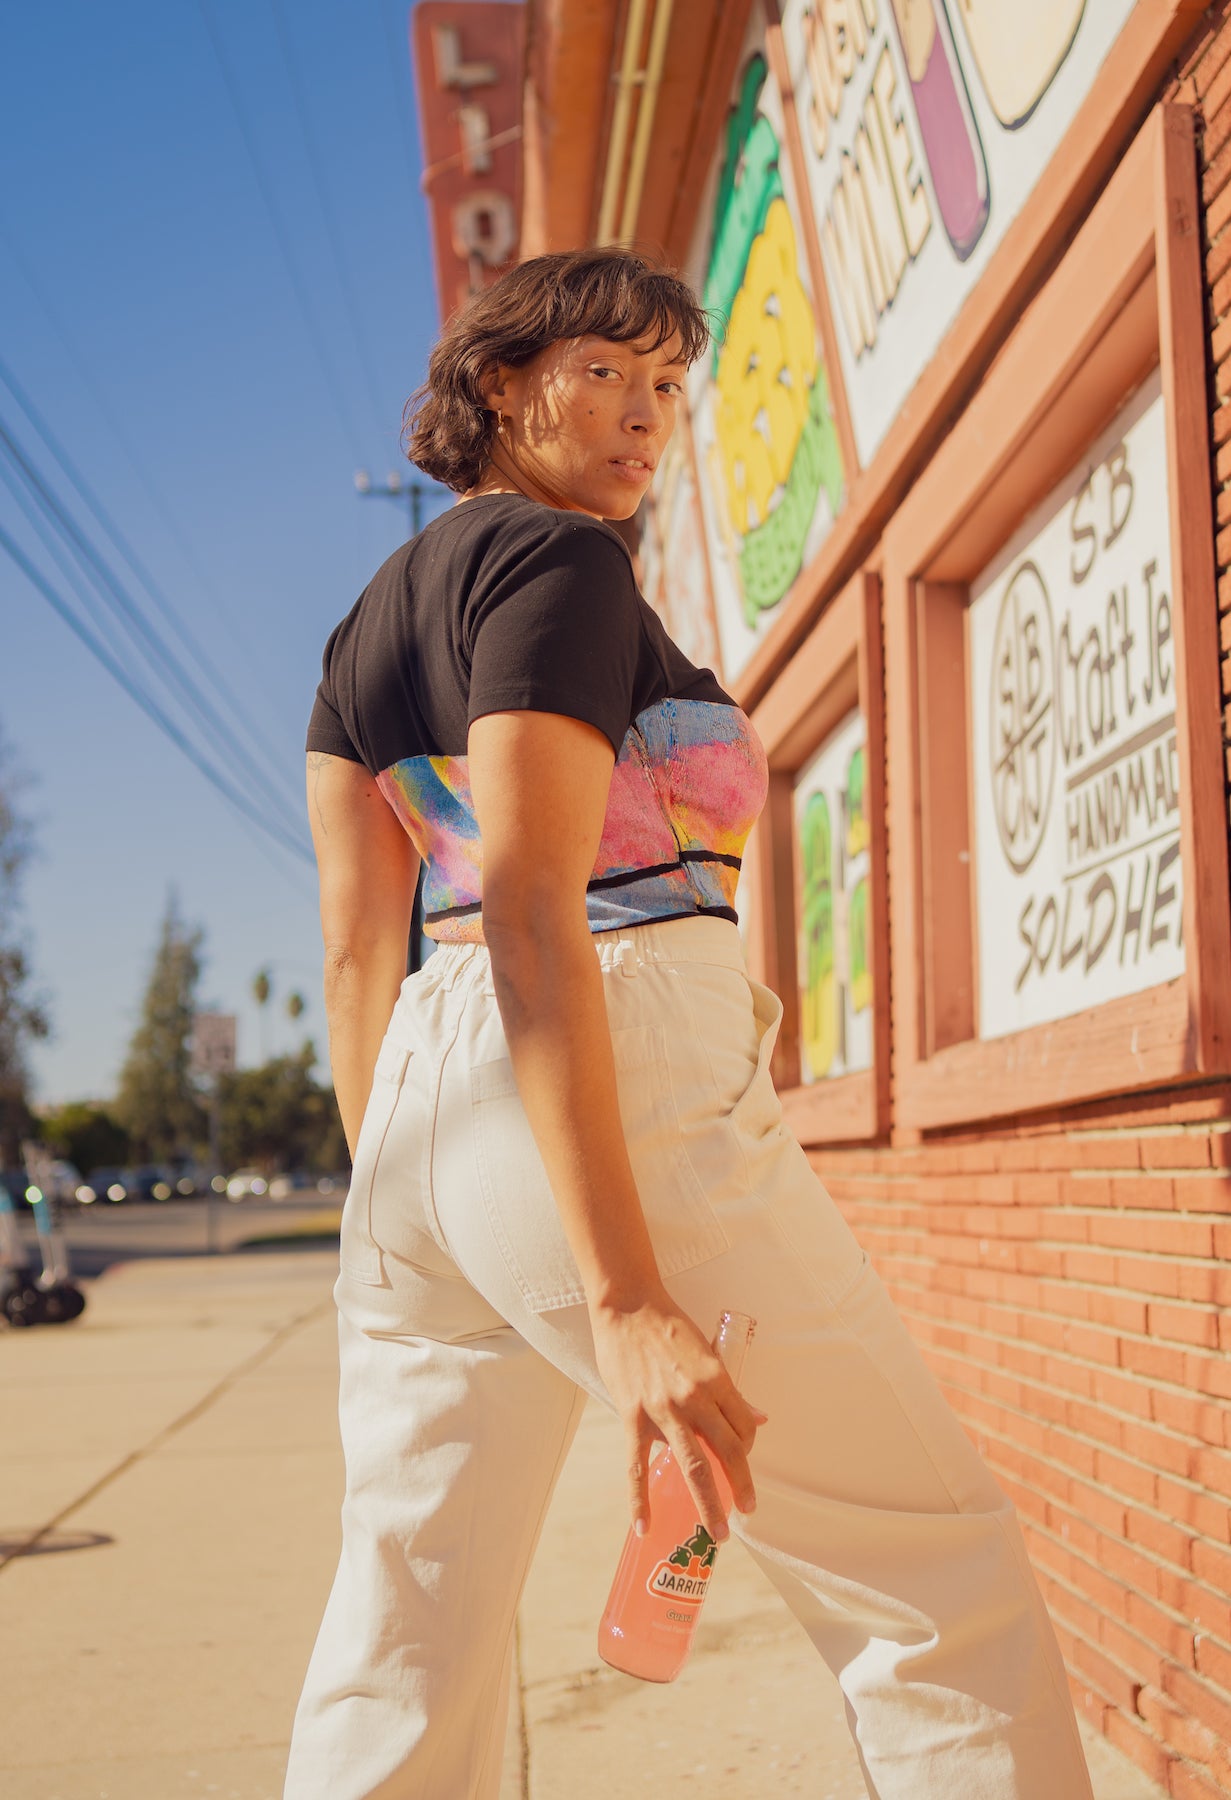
[(687, 786)]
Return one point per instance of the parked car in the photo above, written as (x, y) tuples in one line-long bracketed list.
[(247, 1184), (104, 1184), (150, 1181)]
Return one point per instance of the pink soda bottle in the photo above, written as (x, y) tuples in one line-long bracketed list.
[(663, 1577)]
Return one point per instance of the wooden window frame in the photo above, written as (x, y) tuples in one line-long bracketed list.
[(837, 669), (1127, 297)]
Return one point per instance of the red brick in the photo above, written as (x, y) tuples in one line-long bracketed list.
[(1160, 1449), (1161, 1362), (1177, 1236), (1122, 1151), (1172, 1725), (1184, 1149), (1174, 1637), (1155, 1192), (1205, 1513), (1212, 1468), (1209, 1375), (1212, 1564), (1112, 1681), (1132, 1568), (1129, 1738), (1196, 1325), (1160, 1536), (1188, 1783), (1199, 1700), (1209, 1611), (1150, 1274), (1122, 1392), (1188, 1413), (1122, 1476)]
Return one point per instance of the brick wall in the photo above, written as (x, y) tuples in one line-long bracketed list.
[(1070, 1280)]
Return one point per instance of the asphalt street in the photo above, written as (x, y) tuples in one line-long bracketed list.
[(101, 1235)]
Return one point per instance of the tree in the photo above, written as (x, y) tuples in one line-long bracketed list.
[(276, 1117), (296, 1006), (88, 1135), (22, 1017), (262, 988), (157, 1102)]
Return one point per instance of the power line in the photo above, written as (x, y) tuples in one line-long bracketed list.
[(280, 233), (399, 97), (157, 499), (148, 705), (362, 341), (121, 543), (116, 597)]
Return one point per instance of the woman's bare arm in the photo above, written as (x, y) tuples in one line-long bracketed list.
[(368, 869), (540, 784)]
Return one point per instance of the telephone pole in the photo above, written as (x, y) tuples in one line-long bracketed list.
[(414, 493)]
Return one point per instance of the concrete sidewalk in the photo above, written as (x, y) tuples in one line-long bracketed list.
[(169, 1490)]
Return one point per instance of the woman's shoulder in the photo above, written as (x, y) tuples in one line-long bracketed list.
[(513, 524)]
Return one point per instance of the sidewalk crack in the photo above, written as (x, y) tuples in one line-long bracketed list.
[(166, 1433)]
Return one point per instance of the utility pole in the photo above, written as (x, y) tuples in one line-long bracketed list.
[(414, 493)]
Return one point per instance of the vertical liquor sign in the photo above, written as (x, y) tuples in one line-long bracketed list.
[(468, 65), (1078, 878)]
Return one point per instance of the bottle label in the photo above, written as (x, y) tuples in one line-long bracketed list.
[(682, 1578)]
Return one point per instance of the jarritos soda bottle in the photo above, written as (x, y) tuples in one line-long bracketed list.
[(663, 1577)]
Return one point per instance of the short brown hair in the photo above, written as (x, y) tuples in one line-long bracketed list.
[(608, 292)]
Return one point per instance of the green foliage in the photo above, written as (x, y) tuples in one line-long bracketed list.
[(157, 1103), (88, 1135), (22, 1017), (262, 987), (276, 1117)]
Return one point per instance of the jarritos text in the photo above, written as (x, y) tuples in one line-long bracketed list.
[(683, 1577)]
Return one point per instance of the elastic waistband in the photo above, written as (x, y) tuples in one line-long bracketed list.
[(699, 939)]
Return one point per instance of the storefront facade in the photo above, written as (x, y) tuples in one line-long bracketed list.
[(950, 513)]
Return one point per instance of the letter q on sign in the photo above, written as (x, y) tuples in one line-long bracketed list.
[(485, 225)]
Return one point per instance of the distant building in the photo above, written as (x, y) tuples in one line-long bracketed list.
[(951, 515)]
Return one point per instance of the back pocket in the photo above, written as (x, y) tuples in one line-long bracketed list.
[(517, 1197)]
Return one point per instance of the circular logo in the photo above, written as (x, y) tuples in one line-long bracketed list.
[(1023, 740)]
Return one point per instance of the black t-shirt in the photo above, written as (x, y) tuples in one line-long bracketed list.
[(504, 605)]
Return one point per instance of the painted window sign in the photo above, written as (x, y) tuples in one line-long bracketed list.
[(832, 854), (766, 441), (682, 589), (1073, 726), (926, 124)]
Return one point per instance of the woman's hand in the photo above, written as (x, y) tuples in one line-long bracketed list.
[(668, 1383)]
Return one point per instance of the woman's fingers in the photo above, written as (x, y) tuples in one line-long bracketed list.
[(639, 1478), (732, 1452), (695, 1467)]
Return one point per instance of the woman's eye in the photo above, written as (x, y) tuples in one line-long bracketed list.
[(672, 388), (601, 369)]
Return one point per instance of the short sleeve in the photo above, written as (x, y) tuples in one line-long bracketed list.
[(326, 731), (559, 630)]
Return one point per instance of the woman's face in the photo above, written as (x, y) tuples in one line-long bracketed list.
[(587, 421)]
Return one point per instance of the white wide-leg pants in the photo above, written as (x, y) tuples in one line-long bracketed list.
[(466, 1357)]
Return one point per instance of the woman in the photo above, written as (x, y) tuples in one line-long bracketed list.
[(568, 1154)]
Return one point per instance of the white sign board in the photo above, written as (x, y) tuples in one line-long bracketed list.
[(213, 1043), (926, 124), (1073, 733), (832, 838)]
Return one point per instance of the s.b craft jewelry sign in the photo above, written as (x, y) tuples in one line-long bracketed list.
[(1073, 722)]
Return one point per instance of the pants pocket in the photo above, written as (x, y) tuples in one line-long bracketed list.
[(517, 1197), (359, 1253), (758, 1111)]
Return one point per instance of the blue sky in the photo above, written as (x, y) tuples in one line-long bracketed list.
[(148, 311)]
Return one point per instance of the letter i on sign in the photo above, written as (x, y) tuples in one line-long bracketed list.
[(946, 123)]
